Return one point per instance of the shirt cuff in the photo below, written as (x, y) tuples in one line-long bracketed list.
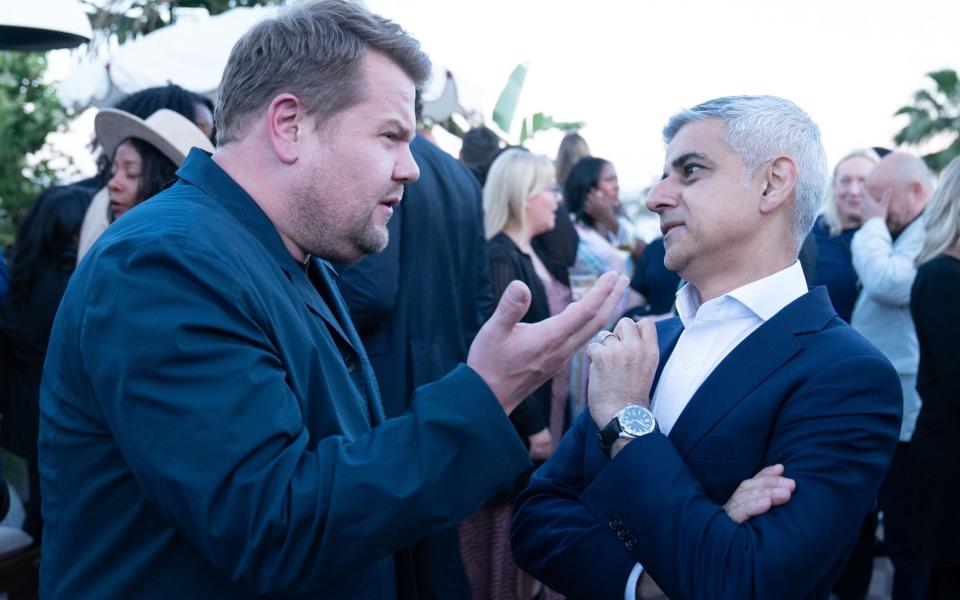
[(631, 592)]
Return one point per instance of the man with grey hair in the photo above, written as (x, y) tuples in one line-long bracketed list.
[(884, 252), (210, 423), (756, 373)]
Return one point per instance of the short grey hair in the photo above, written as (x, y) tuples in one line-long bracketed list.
[(760, 128), (314, 51)]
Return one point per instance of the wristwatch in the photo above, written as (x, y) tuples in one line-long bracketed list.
[(631, 422)]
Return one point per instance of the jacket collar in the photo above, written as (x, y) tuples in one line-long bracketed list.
[(754, 360), (201, 171)]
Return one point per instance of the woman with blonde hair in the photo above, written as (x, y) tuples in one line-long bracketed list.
[(572, 148), (934, 302), (520, 201), (835, 228)]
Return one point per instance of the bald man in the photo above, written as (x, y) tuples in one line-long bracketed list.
[(884, 250)]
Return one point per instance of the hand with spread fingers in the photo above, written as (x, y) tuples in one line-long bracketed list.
[(515, 358), (622, 366), (760, 493)]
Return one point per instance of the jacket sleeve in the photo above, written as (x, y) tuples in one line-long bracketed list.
[(835, 443), (204, 415), (556, 539), (885, 272), (370, 286)]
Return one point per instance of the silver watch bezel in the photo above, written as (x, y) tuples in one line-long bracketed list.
[(624, 433)]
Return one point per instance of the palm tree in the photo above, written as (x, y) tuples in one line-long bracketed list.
[(934, 114)]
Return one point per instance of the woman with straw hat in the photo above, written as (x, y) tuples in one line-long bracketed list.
[(145, 153)]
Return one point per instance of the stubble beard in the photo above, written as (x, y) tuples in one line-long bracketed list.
[(322, 232)]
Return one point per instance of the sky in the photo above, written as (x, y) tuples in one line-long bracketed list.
[(623, 67)]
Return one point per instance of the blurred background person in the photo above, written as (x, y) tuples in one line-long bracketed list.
[(591, 194), (884, 252), (834, 230), (480, 146), (934, 303), (520, 200), (43, 259), (141, 104), (144, 155), (572, 148)]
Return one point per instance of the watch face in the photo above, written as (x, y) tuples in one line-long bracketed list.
[(636, 420)]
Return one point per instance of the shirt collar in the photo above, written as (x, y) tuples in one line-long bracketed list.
[(763, 297), (200, 170)]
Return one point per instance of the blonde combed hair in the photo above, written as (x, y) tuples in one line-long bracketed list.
[(942, 216), (514, 176), (831, 209)]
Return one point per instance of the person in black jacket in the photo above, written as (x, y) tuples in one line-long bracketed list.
[(417, 306), (44, 257)]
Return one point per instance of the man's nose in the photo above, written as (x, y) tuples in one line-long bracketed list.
[(406, 169), (661, 197)]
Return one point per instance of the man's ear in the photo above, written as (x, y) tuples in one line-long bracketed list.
[(285, 123), (780, 181)]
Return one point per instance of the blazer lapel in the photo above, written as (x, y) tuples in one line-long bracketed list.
[(753, 361), (668, 334)]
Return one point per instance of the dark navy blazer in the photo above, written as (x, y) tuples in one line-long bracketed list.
[(804, 390), (211, 426)]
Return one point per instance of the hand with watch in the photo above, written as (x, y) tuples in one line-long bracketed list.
[(622, 367)]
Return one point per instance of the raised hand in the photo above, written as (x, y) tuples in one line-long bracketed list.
[(515, 358), (622, 367)]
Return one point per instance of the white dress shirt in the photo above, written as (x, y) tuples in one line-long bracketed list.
[(710, 332)]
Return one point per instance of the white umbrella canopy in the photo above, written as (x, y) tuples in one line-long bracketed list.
[(191, 54), (43, 25)]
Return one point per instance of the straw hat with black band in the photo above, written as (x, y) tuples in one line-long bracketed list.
[(169, 132)]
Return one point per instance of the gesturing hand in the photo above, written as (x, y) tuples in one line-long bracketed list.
[(759, 494), (871, 207), (622, 369), (515, 358)]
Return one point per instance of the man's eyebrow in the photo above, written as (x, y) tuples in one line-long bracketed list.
[(405, 132), (686, 157)]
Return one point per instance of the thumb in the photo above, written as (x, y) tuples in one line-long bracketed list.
[(512, 306)]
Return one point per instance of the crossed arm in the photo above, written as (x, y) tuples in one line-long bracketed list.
[(834, 443)]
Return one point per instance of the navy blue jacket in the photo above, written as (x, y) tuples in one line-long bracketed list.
[(211, 427), (803, 390)]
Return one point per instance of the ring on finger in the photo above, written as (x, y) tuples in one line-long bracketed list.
[(603, 335)]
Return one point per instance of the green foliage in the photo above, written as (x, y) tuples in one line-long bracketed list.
[(506, 109), (127, 19), (506, 106), (541, 122), (934, 114), (29, 110)]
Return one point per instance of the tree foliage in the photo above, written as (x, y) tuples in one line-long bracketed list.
[(124, 20), (29, 110), (934, 114)]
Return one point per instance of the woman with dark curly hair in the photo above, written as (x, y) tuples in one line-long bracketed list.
[(44, 257)]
